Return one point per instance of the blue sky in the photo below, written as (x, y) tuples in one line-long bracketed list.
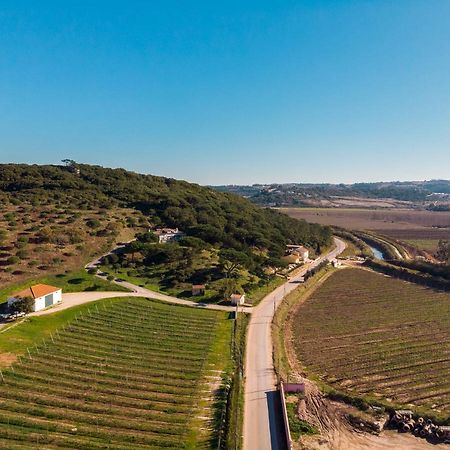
[(230, 92)]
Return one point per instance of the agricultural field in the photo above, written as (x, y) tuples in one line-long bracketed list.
[(419, 228), (376, 337), (37, 239), (124, 373)]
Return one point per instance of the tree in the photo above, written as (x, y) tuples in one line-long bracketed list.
[(2, 235), (443, 251), (69, 162), (22, 305), (228, 288), (232, 260)]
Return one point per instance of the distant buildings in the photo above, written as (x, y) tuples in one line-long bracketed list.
[(43, 296), (168, 234), (296, 254), (237, 299)]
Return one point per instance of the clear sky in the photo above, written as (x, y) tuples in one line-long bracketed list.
[(230, 91)]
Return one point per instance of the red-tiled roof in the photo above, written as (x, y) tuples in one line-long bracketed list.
[(36, 291)]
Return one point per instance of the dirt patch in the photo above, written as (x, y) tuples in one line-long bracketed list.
[(387, 440), (6, 359)]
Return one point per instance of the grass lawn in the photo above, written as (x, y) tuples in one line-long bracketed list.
[(76, 281)]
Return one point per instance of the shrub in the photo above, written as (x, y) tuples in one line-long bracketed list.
[(22, 254), (13, 260)]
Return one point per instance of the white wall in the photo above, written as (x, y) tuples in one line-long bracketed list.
[(39, 302), (57, 297)]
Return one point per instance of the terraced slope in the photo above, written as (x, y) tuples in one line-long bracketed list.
[(371, 335), (128, 375)]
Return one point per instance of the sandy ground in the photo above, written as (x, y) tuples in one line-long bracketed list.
[(393, 440)]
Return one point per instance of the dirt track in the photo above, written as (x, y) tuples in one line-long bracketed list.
[(347, 440)]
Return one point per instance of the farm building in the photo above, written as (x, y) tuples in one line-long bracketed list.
[(168, 234), (298, 250), (237, 299), (198, 289), (292, 259), (42, 294)]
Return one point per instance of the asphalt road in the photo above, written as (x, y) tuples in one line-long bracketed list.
[(263, 427)]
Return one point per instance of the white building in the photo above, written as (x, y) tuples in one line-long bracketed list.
[(168, 234), (237, 299), (298, 250), (336, 263), (43, 295)]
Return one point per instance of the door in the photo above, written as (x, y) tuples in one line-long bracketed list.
[(48, 300)]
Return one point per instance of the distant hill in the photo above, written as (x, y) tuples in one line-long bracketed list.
[(433, 194), (222, 219)]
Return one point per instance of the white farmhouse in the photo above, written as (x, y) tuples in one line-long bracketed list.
[(168, 234), (299, 250), (42, 294)]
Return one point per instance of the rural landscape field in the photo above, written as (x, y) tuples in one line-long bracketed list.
[(418, 227), (125, 374), (377, 338), (225, 225)]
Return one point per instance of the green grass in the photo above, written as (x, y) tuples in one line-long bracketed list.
[(17, 337), (351, 250), (131, 373), (256, 295), (183, 290), (429, 245), (297, 426), (76, 281)]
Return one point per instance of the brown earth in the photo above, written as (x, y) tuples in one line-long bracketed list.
[(6, 359), (69, 243), (374, 219), (330, 417)]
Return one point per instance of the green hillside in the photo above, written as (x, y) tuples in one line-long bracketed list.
[(231, 244)]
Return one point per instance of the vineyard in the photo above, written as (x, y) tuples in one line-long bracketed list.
[(127, 374), (377, 337)]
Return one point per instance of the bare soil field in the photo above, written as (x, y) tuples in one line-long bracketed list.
[(415, 227), (376, 337)]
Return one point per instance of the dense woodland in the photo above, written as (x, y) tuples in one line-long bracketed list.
[(212, 216)]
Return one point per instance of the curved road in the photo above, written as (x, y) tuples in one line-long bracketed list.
[(79, 298), (262, 427)]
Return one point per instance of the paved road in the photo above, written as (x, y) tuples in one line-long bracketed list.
[(262, 429)]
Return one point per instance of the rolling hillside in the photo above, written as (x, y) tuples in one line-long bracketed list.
[(59, 215)]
